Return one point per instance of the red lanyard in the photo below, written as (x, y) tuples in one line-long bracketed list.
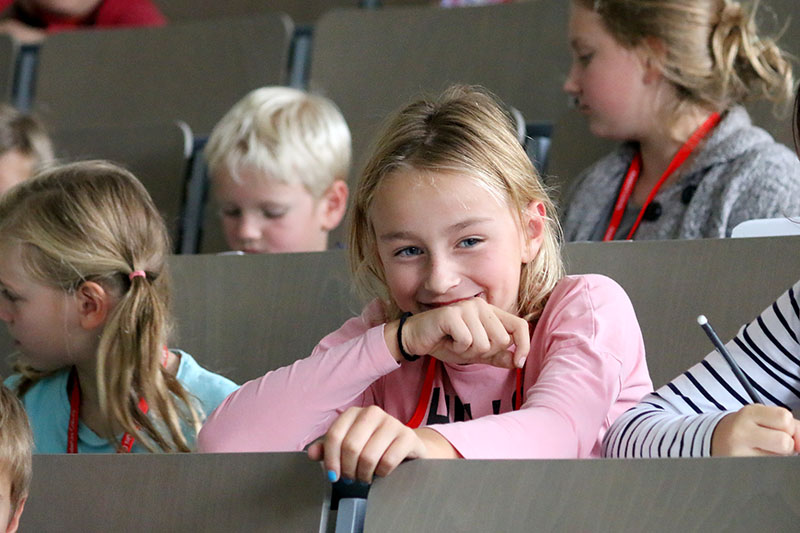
[(74, 387), (427, 389), (635, 169)]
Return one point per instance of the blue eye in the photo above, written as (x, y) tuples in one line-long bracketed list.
[(408, 251), (470, 242)]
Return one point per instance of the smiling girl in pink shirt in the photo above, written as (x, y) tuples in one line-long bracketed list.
[(475, 344)]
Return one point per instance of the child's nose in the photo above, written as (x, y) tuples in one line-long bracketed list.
[(442, 276), (570, 84), (248, 227)]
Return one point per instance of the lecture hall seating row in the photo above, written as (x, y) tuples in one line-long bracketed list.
[(245, 315), (368, 61), (282, 492)]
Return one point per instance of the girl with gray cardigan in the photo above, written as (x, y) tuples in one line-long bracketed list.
[(668, 78)]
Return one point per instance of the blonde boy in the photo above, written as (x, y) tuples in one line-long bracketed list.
[(16, 445), (279, 161)]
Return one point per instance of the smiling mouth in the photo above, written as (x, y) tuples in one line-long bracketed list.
[(436, 305)]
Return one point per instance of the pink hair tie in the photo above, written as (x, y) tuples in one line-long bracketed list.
[(137, 274)]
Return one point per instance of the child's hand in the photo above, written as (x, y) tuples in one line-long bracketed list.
[(366, 442), (469, 331), (757, 430), (22, 32)]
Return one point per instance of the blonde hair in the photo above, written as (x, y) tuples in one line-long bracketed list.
[(467, 131), (796, 123), (713, 53), (94, 221), (285, 134), (16, 445), (25, 133)]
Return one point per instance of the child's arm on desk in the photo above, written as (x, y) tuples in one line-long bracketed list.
[(365, 442), (757, 430)]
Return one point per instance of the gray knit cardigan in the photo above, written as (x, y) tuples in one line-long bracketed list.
[(739, 173)]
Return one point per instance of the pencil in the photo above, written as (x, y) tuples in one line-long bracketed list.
[(703, 321)]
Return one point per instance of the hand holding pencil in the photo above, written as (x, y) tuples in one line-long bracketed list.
[(755, 429)]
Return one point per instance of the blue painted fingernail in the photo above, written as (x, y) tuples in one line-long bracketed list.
[(363, 484), (332, 476), (347, 481)]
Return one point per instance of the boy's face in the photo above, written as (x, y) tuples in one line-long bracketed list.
[(15, 167), (8, 520), (261, 215)]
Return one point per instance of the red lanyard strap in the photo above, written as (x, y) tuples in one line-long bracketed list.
[(427, 389), (634, 170), (126, 444), (74, 388)]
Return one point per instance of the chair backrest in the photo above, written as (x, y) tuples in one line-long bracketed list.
[(156, 154), (9, 49), (766, 227), (402, 3), (186, 10), (303, 12), (733, 494), (371, 62), (244, 315), (194, 71), (177, 492), (672, 282)]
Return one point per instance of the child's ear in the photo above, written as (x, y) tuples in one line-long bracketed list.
[(13, 522), (94, 304), (533, 223), (333, 204), (653, 53)]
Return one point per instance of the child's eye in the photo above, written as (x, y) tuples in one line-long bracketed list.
[(585, 59), (469, 242), (408, 251), (8, 295), (230, 212), (273, 213)]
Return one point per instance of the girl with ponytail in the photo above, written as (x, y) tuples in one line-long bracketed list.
[(667, 78), (84, 290)]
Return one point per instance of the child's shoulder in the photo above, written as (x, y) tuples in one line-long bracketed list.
[(12, 381), (591, 292), (587, 282), (191, 373), (208, 387), (45, 391)]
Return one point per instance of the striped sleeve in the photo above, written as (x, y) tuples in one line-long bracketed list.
[(678, 419)]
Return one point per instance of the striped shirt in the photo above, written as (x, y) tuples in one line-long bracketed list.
[(678, 419)]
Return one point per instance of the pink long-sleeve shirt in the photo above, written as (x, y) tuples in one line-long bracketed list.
[(585, 368)]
